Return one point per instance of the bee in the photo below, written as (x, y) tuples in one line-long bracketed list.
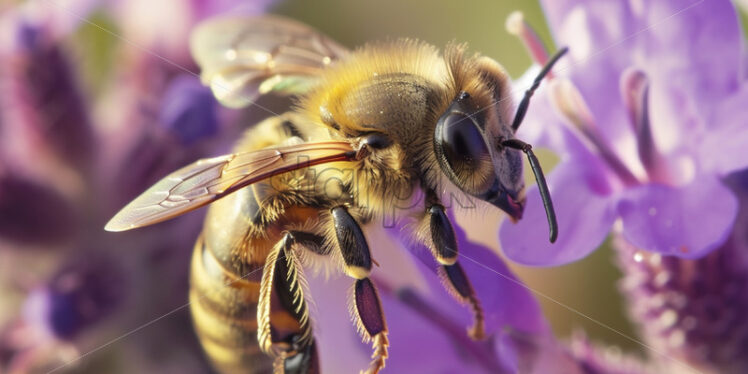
[(389, 120)]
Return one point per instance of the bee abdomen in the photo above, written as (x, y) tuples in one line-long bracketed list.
[(224, 311), (228, 260)]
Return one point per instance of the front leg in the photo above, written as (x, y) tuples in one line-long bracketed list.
[(441, 235), (440, 238), (366, 307), (459, 286)]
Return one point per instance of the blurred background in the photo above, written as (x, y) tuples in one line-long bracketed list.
[(99, 100)]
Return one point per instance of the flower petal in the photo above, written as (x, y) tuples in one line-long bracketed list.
[(427, 327), (46, 101), (600, 48), (722, 147), (687, 221), (535, 354), (540, 127), (585, 214), (690, 80), (418, 345), (424, 336), (85, 290), (188, 110), (587, 26), (435, 325), (507, 302), (34, 214), (685, 37)]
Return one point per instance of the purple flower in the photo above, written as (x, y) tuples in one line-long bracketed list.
[(83, 292), (648, 115), (428, 328), (34, 214), (189, 110), (79, 296), (694, 310), (45, 116), (596, 359), (143, 21), (46, 135), (149, 118), (71, 153), (537, 354), (165, 131)]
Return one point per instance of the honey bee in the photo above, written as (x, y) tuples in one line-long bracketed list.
[(388, 120)]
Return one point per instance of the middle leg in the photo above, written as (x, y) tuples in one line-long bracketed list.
[(366, 307)]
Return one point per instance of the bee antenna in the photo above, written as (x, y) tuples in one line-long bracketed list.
[(545, 195), (522, 108)]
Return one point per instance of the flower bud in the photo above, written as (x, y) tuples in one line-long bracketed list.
[(34, 214), (82, 293)]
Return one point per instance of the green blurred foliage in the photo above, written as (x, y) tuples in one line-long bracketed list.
[(479, 23), (95, 43)]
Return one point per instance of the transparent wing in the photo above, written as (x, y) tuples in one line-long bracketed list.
[(242, 57), (210, 179)]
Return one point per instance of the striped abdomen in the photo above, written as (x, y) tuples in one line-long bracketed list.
[(224, 311), (228, 262), (227, 268)]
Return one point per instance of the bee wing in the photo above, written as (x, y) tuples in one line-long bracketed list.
[(243, 57), (208, 180)]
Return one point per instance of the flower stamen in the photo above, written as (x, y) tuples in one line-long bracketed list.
[(635, 93), (570, 104), (516, 25)]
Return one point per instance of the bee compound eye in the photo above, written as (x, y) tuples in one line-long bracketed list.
[(461, 142)]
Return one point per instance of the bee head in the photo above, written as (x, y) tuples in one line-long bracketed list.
[(468, 146), (474, 140)]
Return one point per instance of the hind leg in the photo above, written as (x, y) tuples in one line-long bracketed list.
[(285, 329), (366, 307)]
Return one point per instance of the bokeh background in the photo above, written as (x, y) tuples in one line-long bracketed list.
[(126, 90)]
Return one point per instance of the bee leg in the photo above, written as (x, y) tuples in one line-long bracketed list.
[(443, 241), (290, 339), (306, 361), (352, 243), (443, 244), (369, 316), (458, 284), (366, 308)]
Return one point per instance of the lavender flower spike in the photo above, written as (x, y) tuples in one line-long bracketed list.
[(648, 114), (72, 147), (694, 310)]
